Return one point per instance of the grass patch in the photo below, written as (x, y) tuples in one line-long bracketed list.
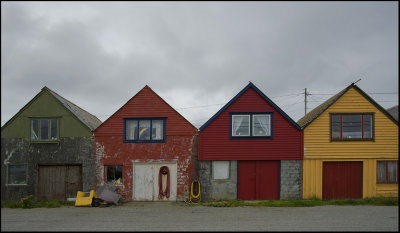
[(35, 204), (379, 201)]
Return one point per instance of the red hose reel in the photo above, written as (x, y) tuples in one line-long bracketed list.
[(163, 193)]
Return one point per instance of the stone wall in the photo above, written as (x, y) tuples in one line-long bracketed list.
[(18, 151), (291, 179)]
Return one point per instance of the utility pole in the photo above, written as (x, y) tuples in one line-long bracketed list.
[(305, 101)]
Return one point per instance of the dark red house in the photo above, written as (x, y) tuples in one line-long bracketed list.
[(251, 149), (145, 149)]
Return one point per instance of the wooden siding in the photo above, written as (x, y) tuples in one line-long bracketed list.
[(44, 105), (312, 178), (215, 142), (317, 135), (318, 147), (387, 190)]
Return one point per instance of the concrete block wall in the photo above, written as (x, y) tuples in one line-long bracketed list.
[(291, 179), (217, 189)]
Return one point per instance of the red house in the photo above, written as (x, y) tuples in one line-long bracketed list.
[(251, 149), (145, 149)]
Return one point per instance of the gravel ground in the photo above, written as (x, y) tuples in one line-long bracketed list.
[(177, 216)]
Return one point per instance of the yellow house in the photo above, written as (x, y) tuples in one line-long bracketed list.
[(351, 148)]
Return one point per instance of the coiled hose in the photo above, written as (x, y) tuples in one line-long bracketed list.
[(193, 197)]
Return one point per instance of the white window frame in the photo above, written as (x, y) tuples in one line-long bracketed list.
[(240, 115), (269, 125)]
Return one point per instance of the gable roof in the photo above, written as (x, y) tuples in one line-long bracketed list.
[(250, 85), (89, 120), (394, 111), (146, 87), (316, 112)]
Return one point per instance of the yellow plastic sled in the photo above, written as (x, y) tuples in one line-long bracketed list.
[(81, 200)]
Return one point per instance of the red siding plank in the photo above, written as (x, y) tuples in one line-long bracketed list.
[(215, 142)]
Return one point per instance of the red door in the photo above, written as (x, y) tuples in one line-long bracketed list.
[(258, 180), (342, 180)]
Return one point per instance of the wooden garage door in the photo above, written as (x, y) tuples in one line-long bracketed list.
[(342, 180), (258, 180), (59, 182)]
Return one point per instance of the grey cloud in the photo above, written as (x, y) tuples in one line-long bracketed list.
[(100, 55)]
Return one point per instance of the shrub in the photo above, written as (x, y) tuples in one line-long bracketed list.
[(27, 202)]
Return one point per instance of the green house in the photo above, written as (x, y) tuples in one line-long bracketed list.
[(47, 149)]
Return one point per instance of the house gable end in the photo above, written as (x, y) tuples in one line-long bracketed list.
[(146, 104), (250, 85), (319, 110), (44, 105)]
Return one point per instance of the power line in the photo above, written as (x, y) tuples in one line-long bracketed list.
[(275, 97), (376, 93), (203, 106)]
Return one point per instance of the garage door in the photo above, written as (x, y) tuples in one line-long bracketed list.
[(342, 180), (59, 182), (145, 181), (258, 180)]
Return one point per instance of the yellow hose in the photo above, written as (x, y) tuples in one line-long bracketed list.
[(191, 192)]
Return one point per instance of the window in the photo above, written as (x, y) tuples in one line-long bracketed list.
[(387, 172), (240, 125), (114, 174), (251, 125), (144, 130), (16, 174), (352, 127), (44, 130), (220, 170)]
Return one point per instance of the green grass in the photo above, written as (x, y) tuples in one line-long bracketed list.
[(379, 201), (37, 204)]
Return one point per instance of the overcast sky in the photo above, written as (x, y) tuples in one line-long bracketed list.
[(196, 55)]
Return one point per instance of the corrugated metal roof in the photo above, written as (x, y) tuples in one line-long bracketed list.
[(309, 117), (394, 111), (91, 121)]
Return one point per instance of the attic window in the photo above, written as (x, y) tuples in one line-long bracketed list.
[(44, 130), (144, 130), (251, 125), (351, 126)]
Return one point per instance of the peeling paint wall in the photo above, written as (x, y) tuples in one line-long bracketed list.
[(113, 151)]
